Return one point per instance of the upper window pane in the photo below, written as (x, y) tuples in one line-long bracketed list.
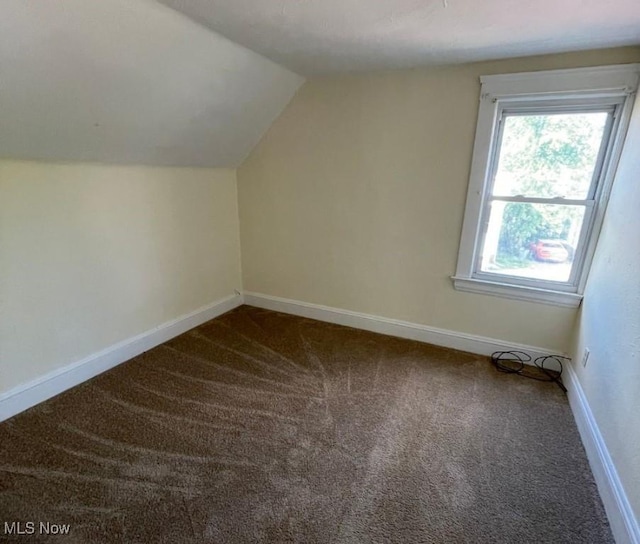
[(550, 155)]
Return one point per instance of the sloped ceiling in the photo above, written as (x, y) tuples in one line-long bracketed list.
[(326, 36), (130, 81), (155, 82)]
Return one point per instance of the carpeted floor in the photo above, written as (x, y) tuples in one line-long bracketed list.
[(264, 427)]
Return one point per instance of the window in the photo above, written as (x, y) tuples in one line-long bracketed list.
[(546, 148)]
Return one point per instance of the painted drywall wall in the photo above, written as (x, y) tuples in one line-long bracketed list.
[(609, 322), (355, 198), (93, 255)]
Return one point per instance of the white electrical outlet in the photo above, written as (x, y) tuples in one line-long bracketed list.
[(585, 356)]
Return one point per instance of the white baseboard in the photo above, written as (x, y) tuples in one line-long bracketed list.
[(25, 396), (393, 327), (623, 523)]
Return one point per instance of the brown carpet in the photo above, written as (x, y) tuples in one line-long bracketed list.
[(264, 427)]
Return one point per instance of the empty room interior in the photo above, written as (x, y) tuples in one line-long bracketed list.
[(320, 272)]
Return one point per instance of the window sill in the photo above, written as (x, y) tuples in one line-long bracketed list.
[(517, 292)]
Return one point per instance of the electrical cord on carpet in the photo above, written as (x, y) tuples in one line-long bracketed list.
[(513, 362)]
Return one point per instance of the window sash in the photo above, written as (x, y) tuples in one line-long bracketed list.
[(571, 284), (612, 110), (537, 107)]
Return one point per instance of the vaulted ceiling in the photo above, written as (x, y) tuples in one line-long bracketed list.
[(130, 82), (197, 82)]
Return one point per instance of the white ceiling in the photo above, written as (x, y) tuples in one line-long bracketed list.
[(155, 82), (129, 81), (324, 36)]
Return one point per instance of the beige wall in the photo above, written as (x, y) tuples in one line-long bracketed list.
[(355, 199), (93, 255), (609, 322)]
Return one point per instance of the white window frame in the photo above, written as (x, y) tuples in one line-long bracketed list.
[(577, 89)]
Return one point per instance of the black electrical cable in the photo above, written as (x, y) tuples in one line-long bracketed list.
[(513, 362)]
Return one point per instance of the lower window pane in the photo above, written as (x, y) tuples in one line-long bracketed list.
[(536, 241)]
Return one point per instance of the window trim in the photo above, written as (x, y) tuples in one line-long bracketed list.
[(583, 87)]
